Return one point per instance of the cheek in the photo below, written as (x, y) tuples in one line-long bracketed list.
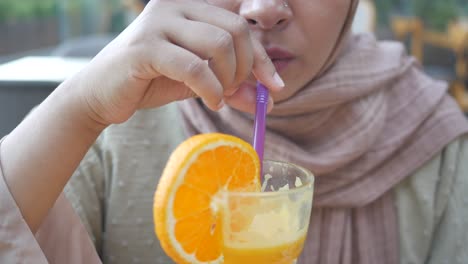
[(314, 34), (322, 23)]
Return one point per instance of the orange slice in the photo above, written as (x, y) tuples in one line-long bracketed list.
[(187, 219)]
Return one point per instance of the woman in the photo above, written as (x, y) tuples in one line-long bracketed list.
[(385, 141)]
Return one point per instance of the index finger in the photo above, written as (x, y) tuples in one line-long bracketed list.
[(263, 69)]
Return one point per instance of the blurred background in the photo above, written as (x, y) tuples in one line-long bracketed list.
[(38, 27), (43, 42)]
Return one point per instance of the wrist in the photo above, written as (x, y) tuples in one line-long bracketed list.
[(45, 149), (77, 108)]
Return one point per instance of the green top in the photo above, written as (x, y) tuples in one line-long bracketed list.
[(112, 192)]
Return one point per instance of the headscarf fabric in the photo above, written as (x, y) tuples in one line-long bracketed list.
[(368, 121)]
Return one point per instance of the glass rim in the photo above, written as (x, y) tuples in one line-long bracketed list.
[(302, 188)]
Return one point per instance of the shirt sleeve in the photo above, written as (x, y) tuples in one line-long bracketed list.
[(86, 193), (60, 239)]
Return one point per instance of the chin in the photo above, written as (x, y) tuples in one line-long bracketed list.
[(281, 96)]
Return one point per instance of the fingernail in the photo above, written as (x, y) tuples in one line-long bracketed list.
[(278, 80), (271, 103), (220, 105)]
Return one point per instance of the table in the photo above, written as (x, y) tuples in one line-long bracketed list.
[(26, 82)]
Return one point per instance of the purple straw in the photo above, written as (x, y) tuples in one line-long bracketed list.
[(259, 125)]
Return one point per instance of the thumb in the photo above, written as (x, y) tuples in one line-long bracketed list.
[(244, 99), (163, 91)]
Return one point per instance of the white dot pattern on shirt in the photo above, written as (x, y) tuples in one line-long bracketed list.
[(426, 232), (150, 242), (124, 243), (123, 220), (121, 184)]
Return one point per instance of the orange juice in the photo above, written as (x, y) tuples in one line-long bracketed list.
[(281, 253), (264, 230), (265, 227)]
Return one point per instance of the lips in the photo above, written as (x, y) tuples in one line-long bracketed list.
[(280, 57)]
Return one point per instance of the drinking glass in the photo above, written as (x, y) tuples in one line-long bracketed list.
[(268, 227)]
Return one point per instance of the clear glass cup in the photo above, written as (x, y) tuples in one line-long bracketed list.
[(268, 227)]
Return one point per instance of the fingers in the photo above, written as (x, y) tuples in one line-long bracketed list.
[(211, 51), (181, 65), (238, 29), (217, 47), (250, 55), (263, 68), (244, 99)]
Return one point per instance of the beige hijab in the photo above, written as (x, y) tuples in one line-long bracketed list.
[(368, 121)]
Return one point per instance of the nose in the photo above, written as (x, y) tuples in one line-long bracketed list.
[(266, 14)]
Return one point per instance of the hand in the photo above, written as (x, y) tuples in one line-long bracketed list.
[(176, 50)]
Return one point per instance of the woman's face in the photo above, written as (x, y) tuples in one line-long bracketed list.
[(299, 35)]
